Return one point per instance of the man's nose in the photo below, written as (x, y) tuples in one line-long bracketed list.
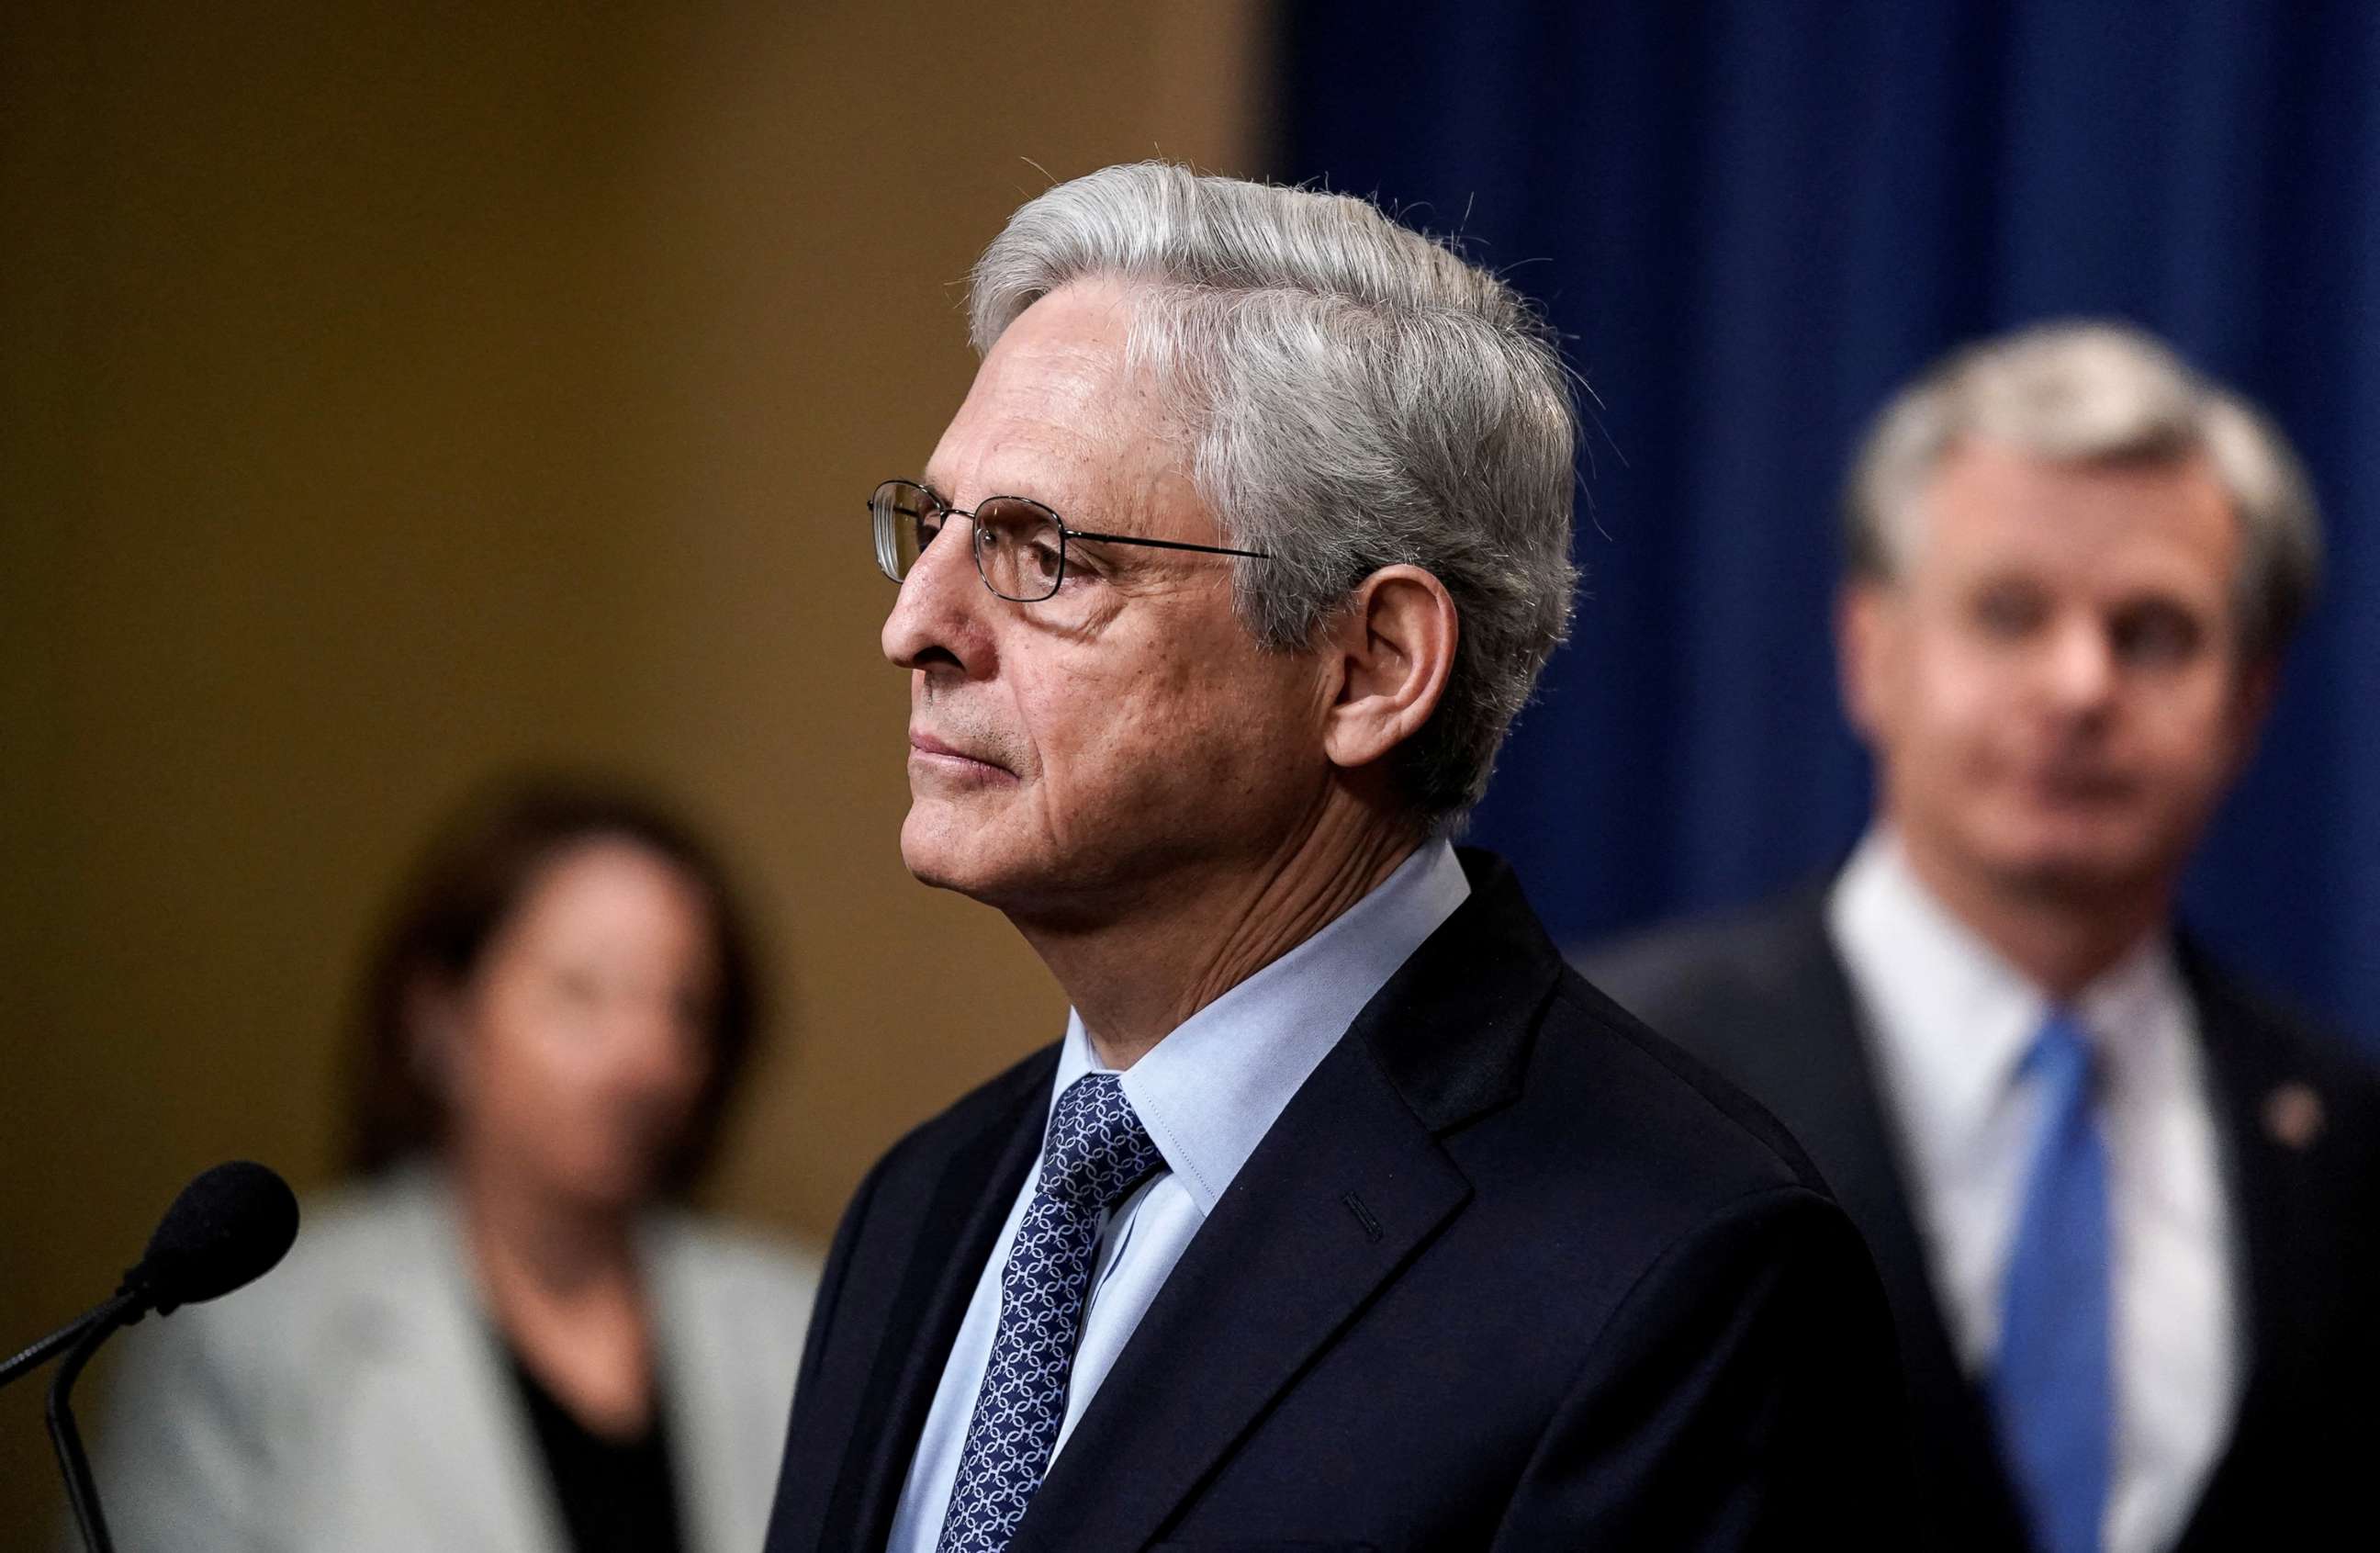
[(938, 615), (2080, 668)]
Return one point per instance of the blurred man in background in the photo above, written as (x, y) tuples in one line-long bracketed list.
[(1343, 1214), (2123, 1210)]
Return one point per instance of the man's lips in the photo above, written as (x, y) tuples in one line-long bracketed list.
[(922, 743), (2078, 785)]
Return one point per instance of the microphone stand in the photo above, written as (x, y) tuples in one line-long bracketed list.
[(227, 1228), (82, 1494), (40, 1353), (80, 1338)]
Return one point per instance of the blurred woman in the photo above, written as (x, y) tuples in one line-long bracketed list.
[(503, 1340)]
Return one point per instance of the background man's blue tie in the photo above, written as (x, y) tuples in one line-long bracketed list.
[(2052, 1392), (1096, 1152)]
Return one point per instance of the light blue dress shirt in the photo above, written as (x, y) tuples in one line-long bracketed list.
[(1208, 1093)]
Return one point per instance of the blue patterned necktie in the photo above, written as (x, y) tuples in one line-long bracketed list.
[(2051, 1392), (1096, 1152)]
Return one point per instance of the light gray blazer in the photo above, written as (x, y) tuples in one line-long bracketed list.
[(355, 1398)]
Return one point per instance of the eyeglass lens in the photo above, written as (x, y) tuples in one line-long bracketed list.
[(1020, 548), (902, 511), (1019, 545)]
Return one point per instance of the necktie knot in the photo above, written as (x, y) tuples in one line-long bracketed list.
[(1098, 1150), (2062, 1053), (1095, 1151)]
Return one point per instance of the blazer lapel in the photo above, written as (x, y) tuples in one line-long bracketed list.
[(1817, 1074), (434, 1394), (1349, 1183), (916, 1320), (696, 1377)]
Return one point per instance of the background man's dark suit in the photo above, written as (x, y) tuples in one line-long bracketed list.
[(1509, 1271), (1765, 998)]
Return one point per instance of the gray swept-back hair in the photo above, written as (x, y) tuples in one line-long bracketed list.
[(2093, 393), (1356, 395)]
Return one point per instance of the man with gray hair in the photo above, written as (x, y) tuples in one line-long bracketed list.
[(1343, 1214), (2123, 1210)]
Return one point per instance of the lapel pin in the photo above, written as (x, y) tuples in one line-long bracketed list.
[(2293, 1115)]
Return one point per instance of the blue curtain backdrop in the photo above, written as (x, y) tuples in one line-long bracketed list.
[(1753, 220)]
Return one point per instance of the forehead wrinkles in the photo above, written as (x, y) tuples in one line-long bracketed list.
[(1061, 398), (2165, 514), (1021, 417)]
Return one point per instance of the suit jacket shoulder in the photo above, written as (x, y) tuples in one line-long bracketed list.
[(1689, 979), (2254, 1035), (1614, 1122), (1760, 995), (2298, 1108)]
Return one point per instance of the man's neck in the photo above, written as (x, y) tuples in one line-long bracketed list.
[(2061, 939), (1136, 978)]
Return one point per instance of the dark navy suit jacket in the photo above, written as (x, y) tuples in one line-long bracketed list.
[(1509, 1272), (1763, 998)]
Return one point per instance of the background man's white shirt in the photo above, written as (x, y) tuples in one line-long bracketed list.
[(1949, 1021)]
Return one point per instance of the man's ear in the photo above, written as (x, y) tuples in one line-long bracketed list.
[(1392, 644), (2251, 702), (1862, 653)]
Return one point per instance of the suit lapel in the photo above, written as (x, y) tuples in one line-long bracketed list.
[(2278, 1211), (1818, 1077), (1343, 1190), (1813, 1070), (1347, 1186), (917, 1319), (703, 1416)]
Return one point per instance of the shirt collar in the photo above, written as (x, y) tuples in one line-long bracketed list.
[(1210, 1090), (2138, 993), (1954, 1018)]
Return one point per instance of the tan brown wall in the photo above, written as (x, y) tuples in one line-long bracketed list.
[(392, 395)]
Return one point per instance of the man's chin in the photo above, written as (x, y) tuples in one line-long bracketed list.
[(944, 854), (930, 866), (2078, 868), (1024, 885)]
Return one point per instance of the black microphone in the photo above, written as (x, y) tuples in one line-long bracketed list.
[(227, 1228)]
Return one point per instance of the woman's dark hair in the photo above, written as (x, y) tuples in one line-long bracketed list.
[(475, 875)]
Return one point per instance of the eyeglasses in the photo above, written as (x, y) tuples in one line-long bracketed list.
[(1020, 545)]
